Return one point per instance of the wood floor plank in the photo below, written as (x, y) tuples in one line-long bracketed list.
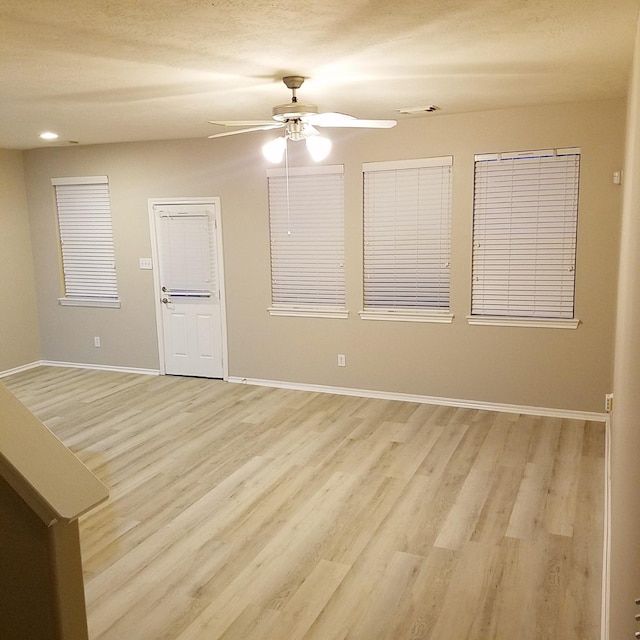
[(527, 515), (493, 520), (461, 520), (419, 611), (252, 513), (579, 615), (300, 612), (387, 598), (469, 589)]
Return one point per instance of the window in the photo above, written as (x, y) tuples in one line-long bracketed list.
[(86, 241), (524, 237), (187, 247), (306, 217), (407, 240)]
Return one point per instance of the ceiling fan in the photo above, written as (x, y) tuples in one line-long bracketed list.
[(299, 122)]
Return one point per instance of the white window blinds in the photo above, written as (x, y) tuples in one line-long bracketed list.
[(306, 215), (86, 239), (187, 245), (524, 234), (407, 234)]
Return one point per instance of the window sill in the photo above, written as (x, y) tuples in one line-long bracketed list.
[(89, 302), (545, 323), (403, 315), (309, 312)]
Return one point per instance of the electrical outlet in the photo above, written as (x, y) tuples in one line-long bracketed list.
[(608, 402), (342, 361), (96, 341)]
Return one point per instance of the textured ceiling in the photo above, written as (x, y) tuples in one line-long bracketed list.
[(123, 70)]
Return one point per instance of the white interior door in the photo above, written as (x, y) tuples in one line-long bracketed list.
[(191, 313)]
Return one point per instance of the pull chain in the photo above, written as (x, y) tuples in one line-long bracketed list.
[(286, 174)]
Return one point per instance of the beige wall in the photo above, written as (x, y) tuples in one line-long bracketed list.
[(19, 341), (625, 431), (535, 367)]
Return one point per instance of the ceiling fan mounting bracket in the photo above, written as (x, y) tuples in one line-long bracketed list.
[(293, 82)]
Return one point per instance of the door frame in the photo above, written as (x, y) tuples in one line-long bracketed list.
[(214, 202)]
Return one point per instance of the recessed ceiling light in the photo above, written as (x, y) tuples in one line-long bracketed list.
[(49, 135)]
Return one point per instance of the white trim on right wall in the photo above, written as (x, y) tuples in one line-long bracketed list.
[(606, 542)]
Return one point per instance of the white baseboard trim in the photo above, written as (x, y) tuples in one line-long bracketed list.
[(78, 365), (24, 367), (408, 397), (347, 391), (99, 367)]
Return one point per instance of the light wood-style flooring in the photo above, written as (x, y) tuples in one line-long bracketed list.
[(245, 513)]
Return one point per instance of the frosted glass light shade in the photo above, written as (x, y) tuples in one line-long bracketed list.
[(274, 149), (318, 147)]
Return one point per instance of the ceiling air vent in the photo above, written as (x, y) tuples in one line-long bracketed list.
[(430, 108)]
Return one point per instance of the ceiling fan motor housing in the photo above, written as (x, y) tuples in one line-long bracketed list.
[(293, 111)]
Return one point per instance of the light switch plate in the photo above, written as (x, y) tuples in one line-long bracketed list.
[(145, 263)]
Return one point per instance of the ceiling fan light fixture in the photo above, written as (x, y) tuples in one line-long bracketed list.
[(318, 147), (273, 151), (299, 122)]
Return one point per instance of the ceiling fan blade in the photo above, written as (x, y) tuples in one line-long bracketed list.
[(242, 123), (273, 125), (344, 120)]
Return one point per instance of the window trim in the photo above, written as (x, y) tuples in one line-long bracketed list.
[(309, 312), (542, 323), (89, 302), (401, 315)]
